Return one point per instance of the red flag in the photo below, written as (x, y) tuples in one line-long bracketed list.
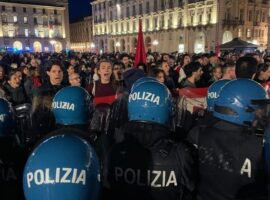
[(140, 56)]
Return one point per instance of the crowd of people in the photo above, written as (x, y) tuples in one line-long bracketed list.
[(88, 126)]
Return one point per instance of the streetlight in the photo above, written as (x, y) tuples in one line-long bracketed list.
[(117, 44), (52, 42), (92, 45), (155, 43)]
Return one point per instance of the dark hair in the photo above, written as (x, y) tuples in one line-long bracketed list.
[(11, 73), (183, 58), (191, 67), (262, 68), (155, 71), (54, 62), (118, 64), (124, 55), (227, 65), (246, 67), (143, 65), (102, 61)]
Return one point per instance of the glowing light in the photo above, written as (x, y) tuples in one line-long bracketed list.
[(155, 42)]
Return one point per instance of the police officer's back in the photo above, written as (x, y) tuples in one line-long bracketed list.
[(148, 164), (230, 154), (12, 156)]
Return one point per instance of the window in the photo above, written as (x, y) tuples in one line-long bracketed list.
[(147, 7), (24, 10), (4, 18), (146, 24), (15, 19), (14, 9), (180, 21), (35, 20), (11, 33), (116, 28), (170, 20), (162, 21), (250, 15), (239, 32), (26, 32), (55, 12), (228, 14), (111, 14), (171, 4), (257, 16), (36, 32), (122, 27), (140, 9), (241, 15), (263, 16), (200, 19), (127, 11), (162, 5), (43, 11), (134, 26), (156, 23), (127, 26), (134, 10), (155, 5), (209, 16), (34, 10), (25, 20), (3, 8), (248, 33)]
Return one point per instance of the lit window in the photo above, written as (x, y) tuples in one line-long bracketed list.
[(248, 33), (36, 32), (15, 18), (26, 33), (25, 20)]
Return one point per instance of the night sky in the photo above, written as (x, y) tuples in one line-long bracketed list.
[(78, 9)]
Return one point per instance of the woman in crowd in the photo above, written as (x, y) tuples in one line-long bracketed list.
[(15, 93), (158, 74), (104, 89), (263, 73), (216, 74)]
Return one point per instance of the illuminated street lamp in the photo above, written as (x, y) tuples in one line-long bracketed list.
[(117, 45), (155, 43), (92, 45)]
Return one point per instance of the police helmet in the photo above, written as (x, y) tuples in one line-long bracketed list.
[(71, 106), (238, 100), (62, 167), (141, 80), (213, 92), (150, 101), (6, 118)]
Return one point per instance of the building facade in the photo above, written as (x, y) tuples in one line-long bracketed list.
[(178, 25), (81, 35), (34, 26)]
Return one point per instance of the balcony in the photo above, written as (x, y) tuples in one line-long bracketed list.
[(5, 23), (232, 22)]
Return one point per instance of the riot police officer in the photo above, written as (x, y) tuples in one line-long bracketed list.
[(12, 156), (147, 164), (62, 167), (212, 95), (230, 154)]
